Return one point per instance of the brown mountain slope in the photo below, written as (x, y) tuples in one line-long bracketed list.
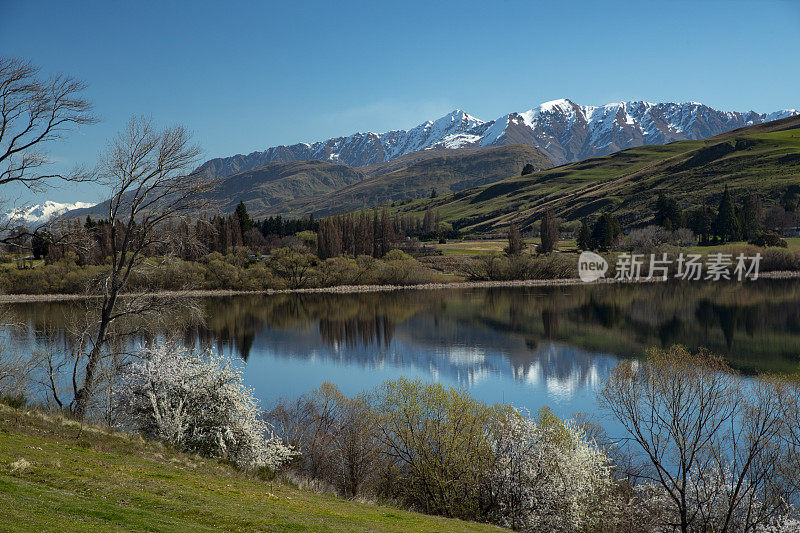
[(442, 173), (303, 187)]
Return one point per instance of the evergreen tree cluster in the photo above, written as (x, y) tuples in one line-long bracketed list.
[(600, 234), (732, 220)]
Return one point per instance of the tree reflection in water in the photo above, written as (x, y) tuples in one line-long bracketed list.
[(551, 336)]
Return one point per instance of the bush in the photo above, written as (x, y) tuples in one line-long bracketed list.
[(61, 277), (15, 401), (521, 267), (438, 443), (550, 476), (399, 268), (652, 239), (336, 435), (437, 449), (296, 269), (779, 260), (199, 403), (769, 238)]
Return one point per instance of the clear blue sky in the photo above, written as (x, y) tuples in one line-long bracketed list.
[(247, 75)]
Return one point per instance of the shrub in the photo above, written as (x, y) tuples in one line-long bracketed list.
[(550, 476), (336, 436), (769, 238), (399, 268), (439, 440), (294, 268), (521, 267), (199, 403), (652, 239), (437, 449), (779, 260)]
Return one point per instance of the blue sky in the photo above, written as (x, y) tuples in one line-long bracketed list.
[(247, 75)]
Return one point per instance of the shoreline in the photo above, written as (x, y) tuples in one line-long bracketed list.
[(355, 289)]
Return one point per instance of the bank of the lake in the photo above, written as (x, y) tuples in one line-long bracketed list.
[(355, 289)]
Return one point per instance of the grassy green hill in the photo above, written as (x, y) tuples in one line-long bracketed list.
[(55, 477), (763, 159)]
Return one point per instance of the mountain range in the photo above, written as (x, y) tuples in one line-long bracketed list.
[(561, 129), (40, 213), (451, 154)]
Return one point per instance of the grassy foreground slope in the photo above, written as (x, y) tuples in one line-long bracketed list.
[(55, 478), (763, 158)]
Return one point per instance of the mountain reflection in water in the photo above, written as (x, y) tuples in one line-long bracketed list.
[(530, 346)]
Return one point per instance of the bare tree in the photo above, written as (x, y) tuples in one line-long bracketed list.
[(515, 242), (714, 444), (149, 173), (33, 112)]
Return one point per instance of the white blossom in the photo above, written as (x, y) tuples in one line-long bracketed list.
[(551, 477), (198, 402)]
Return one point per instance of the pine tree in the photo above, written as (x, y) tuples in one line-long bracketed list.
[(668, 213), (585, 236), (726, 226), (605, 232), (751, 216), (40, 244), (701, 222), (528, 169), (245, 222), (791, 199)]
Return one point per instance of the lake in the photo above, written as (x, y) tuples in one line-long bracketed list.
[(527, 346)]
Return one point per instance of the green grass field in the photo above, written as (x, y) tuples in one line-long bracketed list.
[(792, 242), (495, 246), (53, 477)]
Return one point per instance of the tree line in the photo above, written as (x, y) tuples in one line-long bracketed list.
[(375, 233), (734, 219)]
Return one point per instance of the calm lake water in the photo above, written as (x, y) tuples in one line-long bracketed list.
[(527, 346)]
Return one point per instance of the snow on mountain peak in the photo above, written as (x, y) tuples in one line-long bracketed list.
[(561, 105), (41, 213), (562, 129)]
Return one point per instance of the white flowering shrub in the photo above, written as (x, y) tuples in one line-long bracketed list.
[(198, 402), (713, 506), (550, 477)]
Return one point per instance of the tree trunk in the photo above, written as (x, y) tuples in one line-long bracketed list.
[(85, 393)]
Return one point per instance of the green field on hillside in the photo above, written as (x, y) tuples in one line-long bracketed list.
[(56, 477), (763, 159)]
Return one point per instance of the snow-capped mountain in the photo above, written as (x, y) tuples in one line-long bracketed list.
[(361, 149), (41, 213), (567, 132), (562, 129)]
